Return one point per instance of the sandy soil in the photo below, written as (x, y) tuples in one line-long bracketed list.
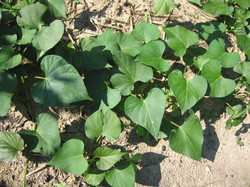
[(224, 163)]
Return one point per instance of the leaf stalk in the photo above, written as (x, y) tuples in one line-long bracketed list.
[(173, 123)]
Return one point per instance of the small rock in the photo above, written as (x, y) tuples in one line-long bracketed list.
[(208, 168)]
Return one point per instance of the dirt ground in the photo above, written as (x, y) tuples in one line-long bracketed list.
[(224, 162)]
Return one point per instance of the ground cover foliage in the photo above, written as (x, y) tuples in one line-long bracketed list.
[(119, 73)]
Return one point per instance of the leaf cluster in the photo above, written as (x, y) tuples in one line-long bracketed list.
[(137, 74)]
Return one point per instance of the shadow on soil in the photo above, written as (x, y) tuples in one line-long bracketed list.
[(243, 129), (211, 111), (150, 173)]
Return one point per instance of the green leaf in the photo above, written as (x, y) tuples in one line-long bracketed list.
[(146, 32), (87, 44), (188, 138), (8, 34), (163, 6), (128, 44), (187, 92), (47, 134), (148, 112), (211, 30), (237, 115), (108, 39), (244, 43), (99, 90), (151, 54), (103, 122), (243, 3), (62, 83), (131, 72), (94, 176), (216, 51), (48, 37), (244, 69), (197, 2), (220, 86), (8, 84), (10, 144), (107, 157), (57, 7), (217, 8), (58, 185), (70, 158), (32, 16), (179, 39), (201, 60), (9, 58), (123, 175), (27, 36), (89, 60)]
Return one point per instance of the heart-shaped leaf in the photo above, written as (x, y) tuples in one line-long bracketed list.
[(244, 69), (243, 3), (8, 84), (201, 60), (94, 176), (46, 139), (108, 39), (62, 83), (107, 157), (187, 92), (163, 6), (146, 32), (10, 144), (103, 122), (9, 58), (149, 112), (151, 54), (32, 16), (99, 90), (123, 175), (48, 37), (244, 43), (188, 138), (128, 44), (57, 7), (70, 158), (179, 39), (216, 51), (8, 35), (211, 30), (220, 86), (217, 8), (131, 72), (89, 60), (27, 36), (88, 43)]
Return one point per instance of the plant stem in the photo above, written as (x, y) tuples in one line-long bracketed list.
[(99, 140), (43, 78), (173, 123), (25, 171), (185, 70), (230, 107), (239, 78)]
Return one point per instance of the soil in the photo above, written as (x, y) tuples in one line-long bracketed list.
[(224, 162)]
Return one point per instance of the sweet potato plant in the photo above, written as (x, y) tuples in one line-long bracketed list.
[(131, 74)]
